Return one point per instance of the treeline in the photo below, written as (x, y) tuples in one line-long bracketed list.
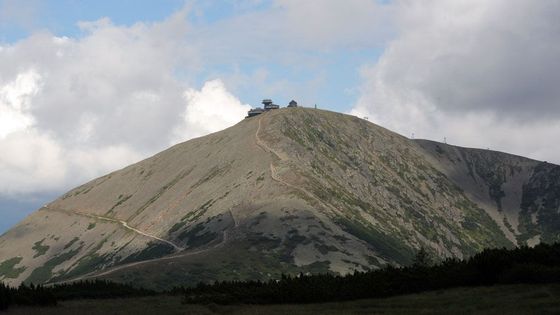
[(31, 295), (540, 264), (97, 289)]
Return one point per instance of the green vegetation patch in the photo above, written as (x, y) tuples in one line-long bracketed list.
[(242, 260), (541, 197), (39, 248), (193, 216), (74, 240), (325, 249), (121, 199), (161, 191), (8, 270), (508, 226), (291, 132), (215, 171), (289, 244), (491, 169), (177, 226), (44, 273), (87, 264), (258, 240), (91, 226), (490, 267), (385, 244), (154, 250), (481, 228), (196, 237)]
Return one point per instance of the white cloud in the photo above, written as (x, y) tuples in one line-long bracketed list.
[(30, 162), (75, 108), (209, 110), (15, 101), (481, 73), (92, 162)]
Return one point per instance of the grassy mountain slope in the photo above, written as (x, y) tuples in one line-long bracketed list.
[(287, 191)]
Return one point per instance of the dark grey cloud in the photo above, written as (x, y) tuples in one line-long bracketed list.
[(483, 73), (504, 61)]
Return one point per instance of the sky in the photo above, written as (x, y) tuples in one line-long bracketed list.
[(88, 87)]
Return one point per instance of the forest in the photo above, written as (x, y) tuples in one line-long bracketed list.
[(37, 295), (540, 264)]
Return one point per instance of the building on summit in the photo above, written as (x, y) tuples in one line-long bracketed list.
[(268, 105), (254, 112)]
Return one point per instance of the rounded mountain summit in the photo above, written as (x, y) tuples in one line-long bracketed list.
[(286, 191)]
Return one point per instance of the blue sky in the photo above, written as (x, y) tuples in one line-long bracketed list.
[(61, 16), (330, 77), (90, 87), (338, 75)]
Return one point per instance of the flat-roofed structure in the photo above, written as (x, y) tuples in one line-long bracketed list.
[(268, 105)]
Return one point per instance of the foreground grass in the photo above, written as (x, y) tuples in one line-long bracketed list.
[(510, 299)]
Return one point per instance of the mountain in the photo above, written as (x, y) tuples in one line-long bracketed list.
[(290, 190)]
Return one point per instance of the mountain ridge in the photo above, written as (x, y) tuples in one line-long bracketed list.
[(291, 190)]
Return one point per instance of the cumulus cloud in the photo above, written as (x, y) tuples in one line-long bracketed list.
[(209, 110), (481, 73), (477, 72), (15, 101), (72, 109), (29, 162)]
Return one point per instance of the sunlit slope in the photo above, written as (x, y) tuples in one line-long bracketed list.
[(287, 191)]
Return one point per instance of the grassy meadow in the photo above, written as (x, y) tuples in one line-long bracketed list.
[(504, 299)]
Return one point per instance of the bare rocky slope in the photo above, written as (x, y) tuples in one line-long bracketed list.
[(291, 190)]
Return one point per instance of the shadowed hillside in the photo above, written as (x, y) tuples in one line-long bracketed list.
[(292, 190)]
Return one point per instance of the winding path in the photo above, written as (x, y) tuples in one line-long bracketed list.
[(120, 222), (225, 233), (108, 271), (95, 274), (274, 174)]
